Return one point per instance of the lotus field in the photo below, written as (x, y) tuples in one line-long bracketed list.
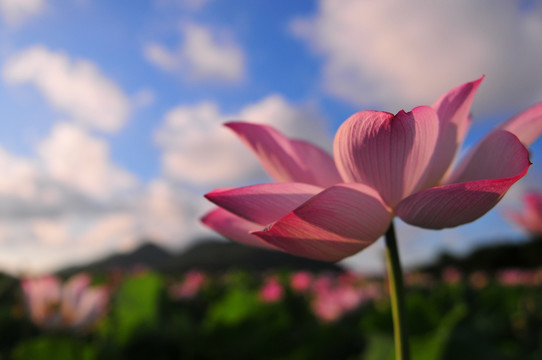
[(142, 314)]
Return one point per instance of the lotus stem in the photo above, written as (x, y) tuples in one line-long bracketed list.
[(397, 295)]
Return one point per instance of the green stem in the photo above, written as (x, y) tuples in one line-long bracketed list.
[(397, 294)]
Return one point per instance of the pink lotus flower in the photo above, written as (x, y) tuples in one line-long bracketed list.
[(384, 165), (74, 305), (271, 291), (516, 277), (333, 298), (530, 218), (300, 281), (191, 285)]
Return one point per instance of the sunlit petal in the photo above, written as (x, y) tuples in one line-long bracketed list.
[(234, 228), (499, 155), (389, 153), (336, 223), (264, 203), (285, 159), (453, 112), (527, 125), (497, 163)]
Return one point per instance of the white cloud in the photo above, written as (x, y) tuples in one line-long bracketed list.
[(71, 204), (205, 54), (15, 12), (19, 176), (198, 149), (74, 158), (164, 212), (116, 229), (162, 57), (50, 231), (75, 87), (401, 54)]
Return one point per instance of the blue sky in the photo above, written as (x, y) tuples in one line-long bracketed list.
[(111, 111)]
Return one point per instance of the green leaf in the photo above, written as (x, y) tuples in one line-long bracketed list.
[(432, 346), (54, 347), (427, 347), (236, 306), (379, 347), (135, 306)]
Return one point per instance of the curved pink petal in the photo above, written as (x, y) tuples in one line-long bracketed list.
[(389, 153), (497, 164), (527, 125), (286, 159), (453, 112), (264, 203), (499, 155), (234, 228), (336, 223)]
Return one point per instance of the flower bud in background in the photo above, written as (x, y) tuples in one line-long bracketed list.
[(73, 305)]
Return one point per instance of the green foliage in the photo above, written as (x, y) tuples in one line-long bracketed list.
[(237, 306), (227, 319), (135, 306), (429, 346), (54, 347)]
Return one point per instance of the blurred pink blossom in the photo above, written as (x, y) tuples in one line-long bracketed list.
[(333, 298), (530, 217), (73, 305), (516, 277), (190, 286), (300, 281), (271, 291)]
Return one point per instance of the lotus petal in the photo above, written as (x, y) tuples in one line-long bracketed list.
[(496, 164), (389, 153), (453, 112), (499, 155), (264, 203), (285, 159), (336, 223), (234, 228), (527, 125)]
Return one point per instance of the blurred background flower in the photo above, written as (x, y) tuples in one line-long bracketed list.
[(529, 218), (73, 305)]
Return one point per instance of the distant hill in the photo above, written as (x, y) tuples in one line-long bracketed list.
[(212, 255), (208, 255), (221, 256), (491, 258), (148, 255)]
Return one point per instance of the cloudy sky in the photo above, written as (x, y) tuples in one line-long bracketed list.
[(111, 111)]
